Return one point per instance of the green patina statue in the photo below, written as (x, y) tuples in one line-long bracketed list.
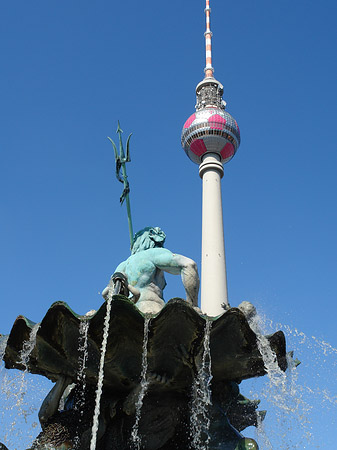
[(175, 352), (145, 268)]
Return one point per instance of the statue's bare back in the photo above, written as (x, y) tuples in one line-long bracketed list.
[(145, 268)]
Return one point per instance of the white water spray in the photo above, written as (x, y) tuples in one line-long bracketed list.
[(83, 356), (81, 377), (27, 349), (15, 389), (28, 346), (95, 424), (277, 378), (3, 344), (295, 397), (143, 387), (202, 397)]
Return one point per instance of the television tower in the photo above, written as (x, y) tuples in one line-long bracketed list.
[(210, 138)]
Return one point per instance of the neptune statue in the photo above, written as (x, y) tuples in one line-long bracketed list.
[(164, 382), (144, 271)]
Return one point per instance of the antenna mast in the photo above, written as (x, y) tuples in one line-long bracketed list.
[(210, 138), (208, 41)]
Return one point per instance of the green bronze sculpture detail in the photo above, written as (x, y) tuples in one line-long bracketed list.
[(145, 268), (121, 159), (175, 347), (174, 352)]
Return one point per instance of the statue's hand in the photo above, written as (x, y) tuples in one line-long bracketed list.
[(135, 292), (105, 293)]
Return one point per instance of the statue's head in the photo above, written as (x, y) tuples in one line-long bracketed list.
[(148, 237)]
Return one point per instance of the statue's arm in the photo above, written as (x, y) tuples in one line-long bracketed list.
[(189, 276), (134, 291), (51, 403), (121, 267), (178, 264)]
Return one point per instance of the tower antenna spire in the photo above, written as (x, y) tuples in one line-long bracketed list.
[(210, 138), (209, 70)]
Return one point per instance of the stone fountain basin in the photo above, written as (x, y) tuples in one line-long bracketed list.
[(175, 345)]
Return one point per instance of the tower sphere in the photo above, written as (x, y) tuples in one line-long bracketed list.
[(210, 130)]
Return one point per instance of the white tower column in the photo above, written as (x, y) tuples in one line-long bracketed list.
[(213, 262)]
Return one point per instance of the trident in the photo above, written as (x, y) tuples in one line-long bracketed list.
[(121, 175)]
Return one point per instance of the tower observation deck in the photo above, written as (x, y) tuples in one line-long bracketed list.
[(210, 138)]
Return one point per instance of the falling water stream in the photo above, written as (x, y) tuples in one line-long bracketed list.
[(300, 404), (135, 438), (83, 352), (27, 349), (81, 377), (280, 385), (291, 401), (201, 397), (101, 371), (3, 343), (17, 408)]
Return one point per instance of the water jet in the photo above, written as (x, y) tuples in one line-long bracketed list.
[(144, 374)]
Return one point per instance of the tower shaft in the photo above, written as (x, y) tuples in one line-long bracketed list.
[(213, 261), (210, 138)]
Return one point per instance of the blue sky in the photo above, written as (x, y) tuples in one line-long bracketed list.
[(70, 70)]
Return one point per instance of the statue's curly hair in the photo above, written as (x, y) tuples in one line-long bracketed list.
[(148, 237)]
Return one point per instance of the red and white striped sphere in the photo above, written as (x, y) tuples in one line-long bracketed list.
[(210, 130)]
